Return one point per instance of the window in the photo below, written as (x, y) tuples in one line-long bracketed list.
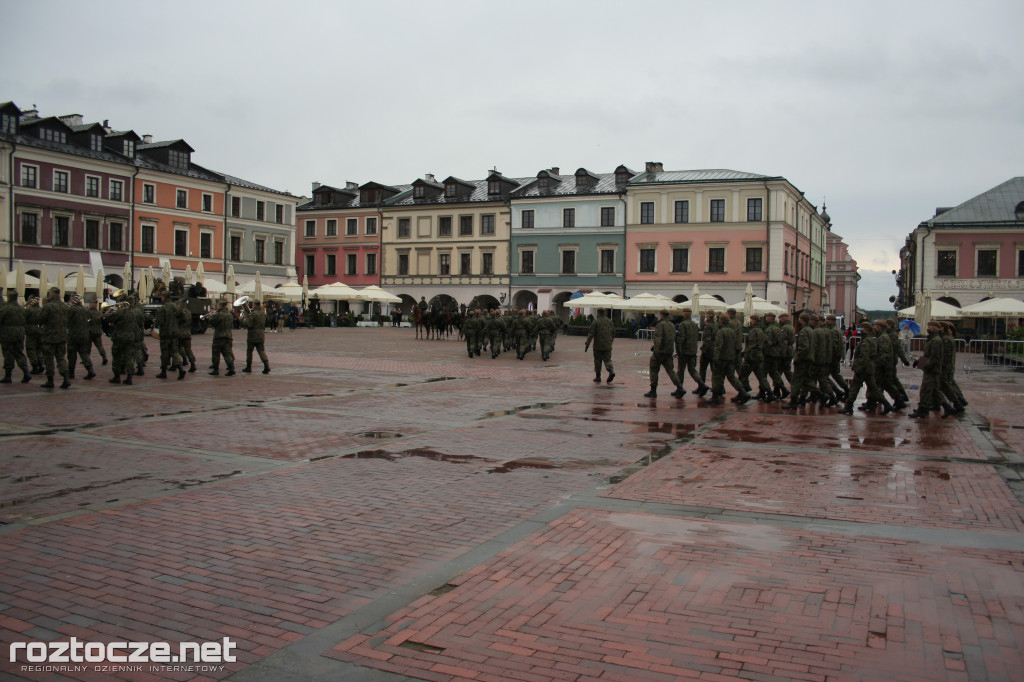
[(607, 216), (444, 264), (60, 181), (261, 250), (92, 234), (449, 190), (371, 264), (310, 228), (331, 264), (235, 244), (466, 226), (128, 148), (465, 263), (718, 210), (29, 228), (92, 186), (181, 200), (753, 210), (568, 262), (753, 259), (487, 263), (647, 260), (279, 213), (987, 262), (494, 186), (116, 190), (404, 228), (310, 265), (371, 226), (207, 203), (646, 212), (53, 135), (148, 242), (352, 227), (716, 259), (205, 245), (487, 224), (236, 207), (8, 124), (29, 176), (568, 217), (116, 237), (1020, 263), (526, 263), (419, 192), (680, 259), (947, 264), (403, 264), (278, 252), (177, 159), (96, 143), (350, 264), (149, 194), (181, 242), (261, 210), (528, 218), (607, 261), (332, 227), (444, 226), (682, 212)]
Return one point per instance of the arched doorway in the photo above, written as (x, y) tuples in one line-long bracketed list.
[(562, 304), (955, 303), (524, 300), (407, 303), (484, 302)]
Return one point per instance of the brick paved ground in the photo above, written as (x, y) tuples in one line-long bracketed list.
[(384, 508)]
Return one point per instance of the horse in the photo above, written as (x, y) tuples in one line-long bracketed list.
[(420, 322)]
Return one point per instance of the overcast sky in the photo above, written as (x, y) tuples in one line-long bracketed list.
[(881, 110)]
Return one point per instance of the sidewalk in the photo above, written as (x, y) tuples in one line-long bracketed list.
[(385, 508)]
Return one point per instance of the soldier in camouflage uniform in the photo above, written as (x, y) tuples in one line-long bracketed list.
[(139, 336), (96, 329), (12, 339), (54, 322), (547, 331), (803, 364), (822, 361), (255, 324), (930, 363), (495, 332), (837, 346), (687, 343), (33, 336), (185, 335), (79, 345), (885, 365), (122, 343), (661, 356), (602, 335), (222, 322), (167, 323), (899, 355), (773, 352), (754, 360), (724, 366), (788, 348), (948, 385), (471, 328), (520, 334), (707, 349), (864, 363)]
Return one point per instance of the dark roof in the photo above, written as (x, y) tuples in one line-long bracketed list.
[(249, 185), (402, 191), (998, 205), (478, 194), (164, 144), (605, 184), (67, 148)]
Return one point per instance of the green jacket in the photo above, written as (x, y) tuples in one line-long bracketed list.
[(221, 321), (687, 337), (601, 333), (665, 338), (255, 326), (864, 356), (54, 320), (12, 323), (78, 324), (931, 361), (725, 344)]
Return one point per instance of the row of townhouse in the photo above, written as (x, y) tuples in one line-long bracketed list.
[(77, 193), (534, 241)]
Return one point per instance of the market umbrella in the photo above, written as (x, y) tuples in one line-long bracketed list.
[(188, 274), (126, 277), (286, 292), (80, 282), (98, 285), (748, 304), (60, 282), (20, 279), (707, 301), (375, 294), (923, 309), (759, 305), (646, 303), (214, 287), (259, 287), (3, 283), (305, 288), (695, 301), (995, 307), (229, 282), (247, 288), (337, 291), (166, 273), (911, 325), (201, 274), (44, 282)]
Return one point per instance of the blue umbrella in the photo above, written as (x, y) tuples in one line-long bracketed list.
[(576, 294), (913, 326)]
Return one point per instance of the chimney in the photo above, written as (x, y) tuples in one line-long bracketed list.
[(942, 209), (147, 139), (71, 119), (316, 186), (554, 170), (351, 185), (106, 126), (429, 177), (31, 113), (654, 167)]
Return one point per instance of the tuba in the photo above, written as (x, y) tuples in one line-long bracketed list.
[(243, 303)]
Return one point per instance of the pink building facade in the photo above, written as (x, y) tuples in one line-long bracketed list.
[(841, 278)]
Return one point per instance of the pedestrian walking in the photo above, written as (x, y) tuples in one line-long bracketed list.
[(602, 335), (661, 356)]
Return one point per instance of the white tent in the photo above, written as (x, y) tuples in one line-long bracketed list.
[(939, 311), (758, 305), (995, 307)]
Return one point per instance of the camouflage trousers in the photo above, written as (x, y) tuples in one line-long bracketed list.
[(55, 353)]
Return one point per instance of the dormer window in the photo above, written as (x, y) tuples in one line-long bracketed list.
[(494, 186), (418, 192), (128, 148), (323, 198), (370, 196), (176, 159), (583, 179), (544, 183), (449, 189), (53, 135), (8, 124)]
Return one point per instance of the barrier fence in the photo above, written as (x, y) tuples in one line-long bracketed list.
[(982, 353)]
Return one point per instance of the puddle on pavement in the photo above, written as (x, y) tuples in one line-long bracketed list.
[(935, 473), (380, 435), (526, 463), (516, 410), (426, 453)]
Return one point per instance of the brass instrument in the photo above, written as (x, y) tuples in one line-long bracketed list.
[(243, 303), (32, 302), (107, 308)]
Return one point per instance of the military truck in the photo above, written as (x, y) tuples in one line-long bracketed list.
[(196, 301)]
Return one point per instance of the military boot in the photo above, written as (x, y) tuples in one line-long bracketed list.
[(162, 374), (128, 379), (611, 375), (214, 371), (49, 382), (7, 376), (597, 378), (266, 368), (248, 368), (26, 377), (181, 372), (702, 391), (947, 410), (653, 393), (230, 372), (67, 381), (918, 414), (90, 374), (846, 409), (886, 406), (192, 367), (679, 392), (116, 379)]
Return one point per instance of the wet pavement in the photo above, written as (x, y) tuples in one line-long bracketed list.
[(383, 508)]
